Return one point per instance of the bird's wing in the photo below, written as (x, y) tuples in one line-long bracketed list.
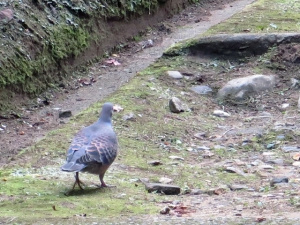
[(102, 149), (80, 142)]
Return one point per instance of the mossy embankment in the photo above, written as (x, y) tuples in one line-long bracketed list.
[(46, 40)]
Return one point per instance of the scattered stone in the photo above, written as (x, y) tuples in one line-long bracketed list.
[(294, 83), (256, 162), (237, 187), (207, 154), (6, 15), (176, 105), (241, 88), (221, 113), (65, 114), (296, 164), (174, 157), (202, 148), (154, 162), (299, 102), (269, 153), (285, 105), (189, 149), (216, 191), (238, 171), (280, 137), (196, 192), (165, 210), (265, 167), (175, 74), (201, 89), (200, 135), (270, 146), (165, 180), (219, 147), (279, 180), (130, 117), (239, 207), (276, 161), (162, 188), (286, 148)]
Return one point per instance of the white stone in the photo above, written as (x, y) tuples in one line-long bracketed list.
[(241, 88), (221, 113), (165, 180), (175, 74)]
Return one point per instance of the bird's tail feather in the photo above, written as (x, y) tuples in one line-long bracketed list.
[(72, 167)]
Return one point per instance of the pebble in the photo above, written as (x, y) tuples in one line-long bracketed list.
[(165, 180), (237, 187), (221, 113), (200, 135), (176, 157), (279, 180), (290, 148), (176, 105), (65, 114), (175, 74), (266, 167), (201, 89), (276, 161), (130, 117), (202, 148), (296, 164)]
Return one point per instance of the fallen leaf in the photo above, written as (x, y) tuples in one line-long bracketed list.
[(117, 108), (260, 219), (53, 207), (113, 61), (296, 157)]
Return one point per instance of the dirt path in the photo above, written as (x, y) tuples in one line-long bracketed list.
[(23, 132), (133, 63)]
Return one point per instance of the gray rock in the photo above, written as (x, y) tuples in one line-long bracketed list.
[(175, 74), (279, 180), (130, 117), (237, 187), (176, 105), (162, 188), (65, 114), (221, 113), (202, 148), (286, 148), (294, 83), (238, 171), (196, 192), (201, 89), (276, 161), (6, 15), (241, 88)]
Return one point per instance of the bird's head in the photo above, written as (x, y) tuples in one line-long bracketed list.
[(106, 113)]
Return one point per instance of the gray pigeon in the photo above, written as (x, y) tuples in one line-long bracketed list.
[(94, 148)]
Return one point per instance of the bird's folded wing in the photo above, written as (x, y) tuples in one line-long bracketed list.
[(102, 149), (80, 141)]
